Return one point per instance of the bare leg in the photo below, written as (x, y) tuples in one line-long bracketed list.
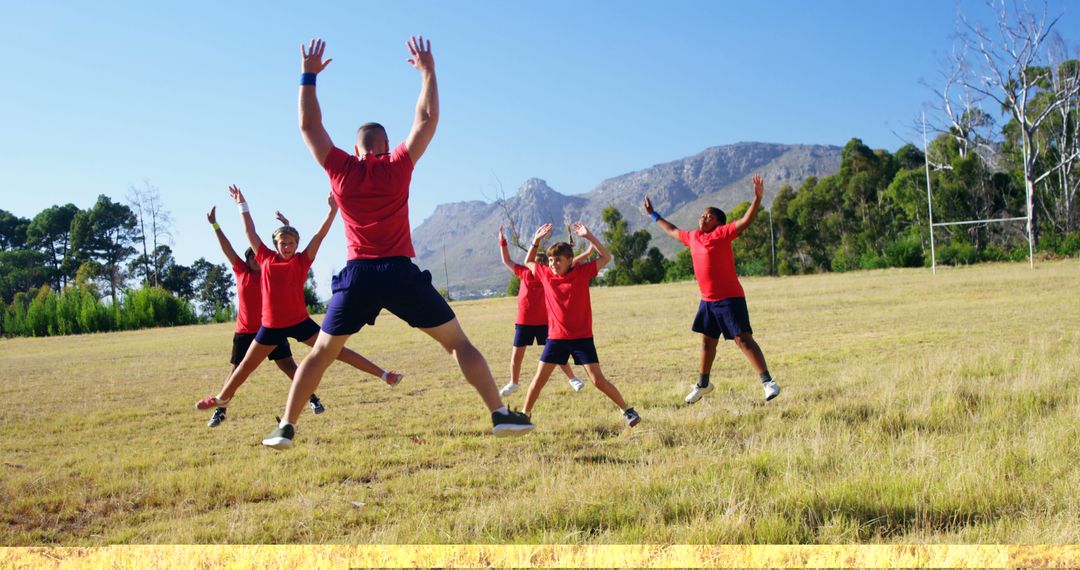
[(567, 370), (255, 355), (287, 365), (750, 348), (516, 357), (543, 372), (469, 359), (708, 353), (604, 386), (310, 373), (352, 358)]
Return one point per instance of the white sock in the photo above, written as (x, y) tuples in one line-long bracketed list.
[(285, 423), (502, 410), (385, 375), (219, 400)]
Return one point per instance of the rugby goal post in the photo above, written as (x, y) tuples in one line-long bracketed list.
[(930, 209)]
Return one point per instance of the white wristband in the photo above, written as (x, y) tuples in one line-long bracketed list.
[(243, 207)]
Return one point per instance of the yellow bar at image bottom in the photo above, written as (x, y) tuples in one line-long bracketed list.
[(544, 556)]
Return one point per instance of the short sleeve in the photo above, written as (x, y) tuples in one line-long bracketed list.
[(336, 166), (400, 158), (589, 270), (238, 266), (726, 232), (521, 270), (304, 261), (684, 237), (264, 253)]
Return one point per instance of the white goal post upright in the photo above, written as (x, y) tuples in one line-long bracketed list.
[(930, 208)]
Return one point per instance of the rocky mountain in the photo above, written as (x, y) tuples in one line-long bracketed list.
[(459, 239)]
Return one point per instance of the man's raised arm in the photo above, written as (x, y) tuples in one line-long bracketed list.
[(427, 105), (668, 227), (311, 126)]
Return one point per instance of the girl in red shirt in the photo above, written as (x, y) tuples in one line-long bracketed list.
[(284, 312)]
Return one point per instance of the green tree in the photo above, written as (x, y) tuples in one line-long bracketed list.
[(50, 233), (105, 234), (632, 260), (12, 231), (513, 286)]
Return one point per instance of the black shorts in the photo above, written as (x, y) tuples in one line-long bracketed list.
[(559, 351), (301, 331), (366, 286), (524, 335), (241, 342), (727, 317)]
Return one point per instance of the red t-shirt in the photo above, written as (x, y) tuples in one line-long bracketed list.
[(373, 196), (532, 309), (248, 298), (567, 298), (283, 288), (714, 264)]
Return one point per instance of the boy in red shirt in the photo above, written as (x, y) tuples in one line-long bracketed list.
[(249, 314), (372, 189), (722, 310), (284, 312), (531, 324), (566, 293)]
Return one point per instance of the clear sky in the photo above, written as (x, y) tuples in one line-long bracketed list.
[(193, 96)]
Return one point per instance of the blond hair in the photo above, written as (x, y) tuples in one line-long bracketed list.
[(286, 231)]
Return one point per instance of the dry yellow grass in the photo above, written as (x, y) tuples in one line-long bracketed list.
[(916, 409)]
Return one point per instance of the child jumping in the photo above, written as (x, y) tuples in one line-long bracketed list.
[(284, 312), (249, 314), (566, 293), (722, 310), (531, 324)]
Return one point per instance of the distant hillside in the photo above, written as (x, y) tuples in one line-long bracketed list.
[(463, 233)]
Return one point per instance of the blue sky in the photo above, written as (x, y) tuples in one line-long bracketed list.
[(194, 96)]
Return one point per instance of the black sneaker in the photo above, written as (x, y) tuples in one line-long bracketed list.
[(280, 438), (510, 424), (316, 404), (219, 416), (632, 417)]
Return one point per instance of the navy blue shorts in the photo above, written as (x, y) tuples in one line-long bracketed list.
[(559, 351), (727, 317), (301, 331), (524, 335), (241, 342), (366, 286)]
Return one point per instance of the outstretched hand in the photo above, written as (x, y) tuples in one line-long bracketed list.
[(236, 194), (281, 218), (542, 232), (332, 202), (581, 230), (647, 204), (212, 216), (759, 186), (311, 56), (420, 51)]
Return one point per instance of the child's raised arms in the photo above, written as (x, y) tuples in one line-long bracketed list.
[(668, 227), (541, 233), (317, 239), (226, 246), (504, 251), (605, 256), (249, 223)]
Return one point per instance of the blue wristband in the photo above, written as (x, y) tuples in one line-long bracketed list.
[(655, 216), (307, 79)]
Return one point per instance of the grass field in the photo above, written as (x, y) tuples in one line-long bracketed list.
[(915, 409)]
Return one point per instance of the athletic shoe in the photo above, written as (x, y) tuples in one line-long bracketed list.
[(772, 390), (211, 401), (632, 417), (280, 438), (219, 416), (697, 393), (510, 388), (576, 384), (316, 404), (393, 378), (510, 424)]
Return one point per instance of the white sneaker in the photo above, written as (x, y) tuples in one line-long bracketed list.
[(510, 388), (698, 392), (576, 384), (772, 390)]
